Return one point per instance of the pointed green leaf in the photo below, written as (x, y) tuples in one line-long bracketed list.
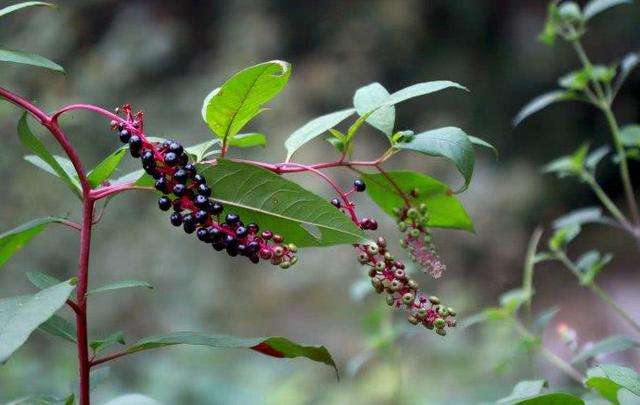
[(630, 135), (105, 169), (29, 140), (15, 7), (628, 63), (588, 215), (488, 314), (279, 205), (313, 129), (590, 264), (542, 102), (594, 7), (14, 239), (20, 316), (42, 400), (240, 98), (278, 347), (481, 142), (248, 140), (120, 285), (556, 398), (443, 207), (545, 317), (512, 300), (610, 379), (449, 142), (41, 280), (31, 59), (367, 99), (612, 344), (60, 327), (576, 80), (101, 344), (201, 150), (421, 89), (563, 236), (523, 390)]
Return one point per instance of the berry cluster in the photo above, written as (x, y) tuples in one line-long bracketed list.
[(413, 222), (188, 194), (388, 276)]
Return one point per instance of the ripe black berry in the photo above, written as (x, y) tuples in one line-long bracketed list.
[(359, 185), (202, 234), (335, 202), (124, 136), (201, 202), (176, 219), (135, 144), (176, 148), (215, 234), (162, 185), (190, 169), (199, 179), (216, 208), (241, 232), (179, 190), (180, 176), (150, 168), (203, 189), (219, 245), (183, 159), (232, 218), (253, 228), (201, 216), (171, 159), (253, 247), (164, 203), (188, 223), (148, 158)]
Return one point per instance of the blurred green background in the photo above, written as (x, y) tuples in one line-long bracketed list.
[(165, 56)]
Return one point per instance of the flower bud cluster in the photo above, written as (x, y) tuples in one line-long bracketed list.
[(413, 223), (187, 193), (388, 276)]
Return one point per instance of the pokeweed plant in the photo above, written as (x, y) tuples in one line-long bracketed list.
[(244, 208), (598, 86)]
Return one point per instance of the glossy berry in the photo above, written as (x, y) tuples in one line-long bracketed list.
[(359, 185), (241, 232), (124, 136), (171, 159), (148, 158), (135, 144), (179, 190), (190, 169), (215, 234), (202, 234), (201, 216), (216, 208), (201, 202), (188, 223), (203, 189), (176, 148), (232, 218), (164, 203), (176, 219), (199, 179), (336, 203), (181, 176)]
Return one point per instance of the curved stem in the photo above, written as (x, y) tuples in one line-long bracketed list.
[(607, 202)]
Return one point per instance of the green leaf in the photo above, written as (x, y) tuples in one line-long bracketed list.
[(624, 376), (545, 317), (240, 98), (15, 7), (605, 387), (13, 240), (570, 165), (628, 63), (101, 344), (200, 151), (105, 169), (20, 316), (129, 399), (594, 7), (444, 208), (370, 97), (576, 80), (313, 129), (551, 29), (570, 11), (523, 390), (42, 400), (31, 59), (602, 73), (120, 285), (488, 314), (41, 280), (512, 300), (542, 102), (630, 135), (481, 142), (248, 140), (449, 142), (556, 398), (280, 205), (29, 140), (593, 158), (590, 264), (563, 236), (620, 385), (421, 89), (582, 216), (60, 327), (271, 346), (611, 344)]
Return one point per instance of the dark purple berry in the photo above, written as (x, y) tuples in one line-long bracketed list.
[(179, 190), (232, 218), (176, 148), (135, 144), (181, 176), (335, 202), (199, 179), (162, 185), (253, 247), (148, 158), (253, 228), (202, 234), (359, 185), (190, 169), (124, 136), (176, 219), (171, 159), (201, 216), (203, 189), (164, 203), (215, 234), (183, 159), (241, 232), (201, 202), (216, 208), (254, 259), (219, 245), (188, 223), (150, 169)]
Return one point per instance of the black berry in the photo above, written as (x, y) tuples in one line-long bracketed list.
[(176, 148), (176, 219), (335, 202), (188, 223), (216, 208), (162, 185), (179, 190), (232, 218), (181, 176), (201, 202), (359, 185), (202, 234), (135, 144), (203, 189), (241, 232), (201, 216), (124, 136), (199, 179), (164, 203), (171, 159)]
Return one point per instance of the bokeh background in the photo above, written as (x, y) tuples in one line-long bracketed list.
[(165, 56)]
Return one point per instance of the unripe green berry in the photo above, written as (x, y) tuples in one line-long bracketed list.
[(363, 258), (422, 312), (388, 256), (412, 213), (441, 332), (372, 249), (452, 312), (423, 208), (414, 233), (412, 284), (434, 300), (395, 285), (439, 323), (404, 244), (402, 226), (285, 264), (372, 272), (293, 248), (428, 326), (412, 320), (408, 298), (380, 266), (442, 311), (390, 300)]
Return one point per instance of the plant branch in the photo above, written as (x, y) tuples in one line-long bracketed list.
[(607, 202)]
